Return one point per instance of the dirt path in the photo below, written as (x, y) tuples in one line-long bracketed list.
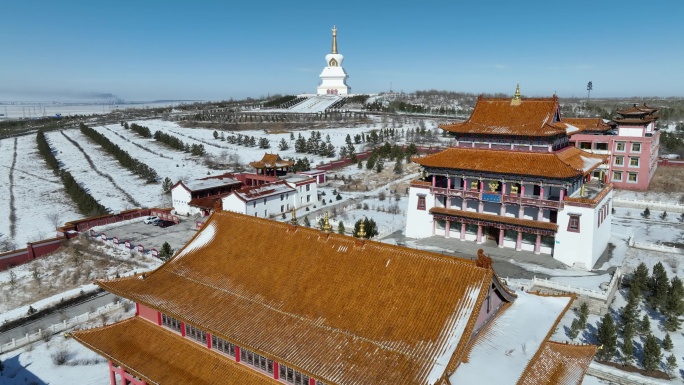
[(100, 173)]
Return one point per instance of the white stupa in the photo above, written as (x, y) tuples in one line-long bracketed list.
[(333, 77)]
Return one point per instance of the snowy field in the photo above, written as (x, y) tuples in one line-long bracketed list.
[(36, 110)]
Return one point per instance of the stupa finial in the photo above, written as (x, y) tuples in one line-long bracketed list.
[(293, 221), (362, 231), (334, 41), (326, 224), (516, 96)]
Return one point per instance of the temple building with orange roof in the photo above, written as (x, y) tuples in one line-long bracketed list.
[(512, 179), (273, 165), (631, 141), (328, 309)]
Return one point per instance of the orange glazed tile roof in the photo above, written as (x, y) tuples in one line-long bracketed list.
[(271, 161), (205, 203), (160, 356), (496, 218), (587, 124), (558, 364), (567, 163), (638, 110), (340, 310), (498, 116)]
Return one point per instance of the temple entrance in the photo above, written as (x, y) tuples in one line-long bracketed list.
[(492, 234)]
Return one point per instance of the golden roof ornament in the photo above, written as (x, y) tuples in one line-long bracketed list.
[(334, 41), (516, 97), (326, 224), (362, 231), (293, 221)]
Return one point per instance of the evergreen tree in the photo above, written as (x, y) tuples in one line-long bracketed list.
[(264, 143), (631, 311), (645, 325), (292, 137), (306, 222), (370, 164), (166, 185), (652, 353), (574, 329), (667, 342), (606, 336), (658, 286), (2, 367), (283, 145), (379, 165), (647, 213), (640, 278), (671, 363), (360, 166), (628, 330), (216, 134), (663, 216), (674, 305), (398, 167), (583, 315), (627, 351), (166, 252), (340, 228)]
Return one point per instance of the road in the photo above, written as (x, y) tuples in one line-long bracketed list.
[(57, 317)]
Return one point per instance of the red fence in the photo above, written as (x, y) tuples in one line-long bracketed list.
[(35, 250), (670, 163)]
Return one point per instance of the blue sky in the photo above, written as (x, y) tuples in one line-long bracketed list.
[(147, 50)]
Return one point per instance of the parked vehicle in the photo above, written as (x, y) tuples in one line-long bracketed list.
[(165, 223), (150, 220)]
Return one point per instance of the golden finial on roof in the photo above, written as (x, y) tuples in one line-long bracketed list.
[(334, 42), (362, 231), (293, 221), (326, 224), (516, 97)]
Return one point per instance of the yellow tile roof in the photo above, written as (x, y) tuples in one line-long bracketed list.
[(558, 364), (498, 116), (567, 163), (335, 308), (160, 356)]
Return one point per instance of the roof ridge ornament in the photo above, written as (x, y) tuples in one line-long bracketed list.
[(326, 224), (516, 97)]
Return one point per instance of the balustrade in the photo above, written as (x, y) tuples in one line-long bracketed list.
[(514, 199)]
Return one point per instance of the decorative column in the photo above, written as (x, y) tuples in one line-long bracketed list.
[(479, 234), (521, 212), (541, 191), (463, 231), (465, 184), (562, 195), (182, 329), (540, 214), (537, 244), (237, 354), (112, 374), (518, 242), (480, 207), (276, 371), (522, 189), (447, 228), (208, 341), (501, 238), (434, 180), (122, 374), (448, 182)]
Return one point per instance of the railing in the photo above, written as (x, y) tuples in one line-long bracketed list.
[(515, 199), (602, 295), (58, 328), (654, 247), (642, 204)]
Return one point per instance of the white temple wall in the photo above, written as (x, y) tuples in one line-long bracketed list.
[(180, 198), (419, 223)]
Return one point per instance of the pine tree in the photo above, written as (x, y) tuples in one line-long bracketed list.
[(216, 134), (631, 311), (379, 165), (640, 278), (574, 329), (306, 222), (2, 367), (340, 228), (627, 351), (663, 216), (658, 286), (667, 342), (671, 363), (360, 166), (647, 213), (166, 185), (652, 353), (628, 330), (283, 145), (606, 336), (674, 305), (166, 252), (583, 315), (398, 167), (645, 325)]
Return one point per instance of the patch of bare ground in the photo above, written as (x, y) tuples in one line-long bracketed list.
[(78, 262), (371, 179), (633, 369), (668, 180)]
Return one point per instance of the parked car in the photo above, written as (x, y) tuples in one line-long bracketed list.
[(165, 223), (150, 220)]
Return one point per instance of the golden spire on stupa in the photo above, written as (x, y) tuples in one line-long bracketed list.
[(516, 97), (334, 42), (362, 231), (326, 224)]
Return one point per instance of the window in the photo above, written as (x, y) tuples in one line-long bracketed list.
[(617, 176), (633, 162), (636, 147), (619, 160), (254, 204), (601, 146), (282, 208), (293, 376), (585, 145), (308, 187), (265, 213), (223, 346), (574, 223), (421, 202), (264, 200), (196, 334), (308, 198), (171, 322), (620, 146), (632, 177), (282, 197)]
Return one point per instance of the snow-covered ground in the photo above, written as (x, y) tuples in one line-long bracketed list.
[(36, 109)]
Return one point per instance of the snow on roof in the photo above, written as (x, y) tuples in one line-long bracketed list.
[(511, 340), (589, 163), (569, 128), (262, 191), (204, 184), (294, 178)]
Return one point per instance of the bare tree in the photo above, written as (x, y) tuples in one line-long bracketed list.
[(55, 218)]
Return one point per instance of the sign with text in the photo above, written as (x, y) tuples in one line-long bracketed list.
[(491, 197)]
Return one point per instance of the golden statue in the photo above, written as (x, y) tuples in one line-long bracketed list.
[(334, 43), (493, 186), (362, 231), (326, 224), (293, 221)]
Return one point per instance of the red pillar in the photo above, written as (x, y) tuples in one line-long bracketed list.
[(159, 318), (448, 183), (112, 374), (463, 231), (479, 233), (447, 228), (501, 237), (137, 309), (276, 370), (518, 242), (183, 329), (209, 341), (537, 245), (312, 381)]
